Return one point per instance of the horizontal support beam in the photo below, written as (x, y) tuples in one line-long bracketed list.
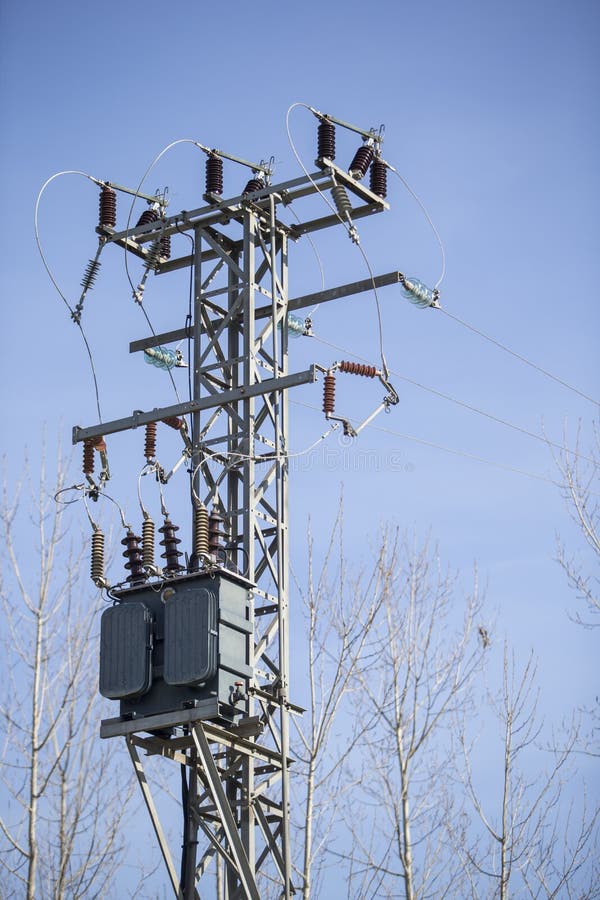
[(222, 398), (220, 213), (343, 290), (358, 212), (263, 312), (360, 190), (167, 337)]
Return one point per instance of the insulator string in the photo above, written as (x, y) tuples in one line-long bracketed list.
[(326, 140), (363, 158), (170, 542), (107, 207), (214, 174), (148, 538)]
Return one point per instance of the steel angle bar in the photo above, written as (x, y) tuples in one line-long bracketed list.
[(266, 638), (214, 847), (156, 747), (294, 303), (273, 777), (243, 869), (270, 839), (268, 253), (264, 484), (356, 187), (145, 788), (259, 419), (213, 345), (183, 409), (266, 554), (344, 290), (358, 212), (268, 715), (180, 262), (269, 510), (263, 269), (232, 414), (216, 365), (269, 404), (167, 337), (239, 744), (214, 333), (224, 254), (265, 853), (269, 553)]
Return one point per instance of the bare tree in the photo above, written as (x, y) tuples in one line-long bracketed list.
[(62, 803), (427, 648), (339, 611), (536, 842), (579, 485)]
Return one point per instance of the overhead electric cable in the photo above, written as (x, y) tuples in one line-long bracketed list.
[(317, 257), (518, 356), (452, 450), (420, 203), (481, 412), (75, 318), (127, 229)]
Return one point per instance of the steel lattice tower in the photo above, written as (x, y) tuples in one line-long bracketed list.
[(238, 805)]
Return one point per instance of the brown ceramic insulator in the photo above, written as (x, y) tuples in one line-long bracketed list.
[(353, 368), (378, 178), (165, 246), (214, 174), (215, 530), (174, 422), (134, 557), (329, 394), (88, 456), (170, 542), (148, 543), (150, 441), (97, 564), (255, 184), (108, 207), (149, 215), (326, 140), (361, 162)]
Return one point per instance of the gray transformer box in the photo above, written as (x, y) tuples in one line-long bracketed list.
[(180, 644)]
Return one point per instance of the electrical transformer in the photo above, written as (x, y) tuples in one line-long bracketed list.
[(179, 644)]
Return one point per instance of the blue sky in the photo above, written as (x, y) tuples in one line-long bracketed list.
[(491, 115)]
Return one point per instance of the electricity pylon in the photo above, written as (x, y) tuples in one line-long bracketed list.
[(237, 803)]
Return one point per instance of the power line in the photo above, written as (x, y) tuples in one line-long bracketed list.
[(454, 451), (481, 412), (54, 281), (518, 356)]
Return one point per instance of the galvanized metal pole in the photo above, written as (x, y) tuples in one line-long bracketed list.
[(196, 377)]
